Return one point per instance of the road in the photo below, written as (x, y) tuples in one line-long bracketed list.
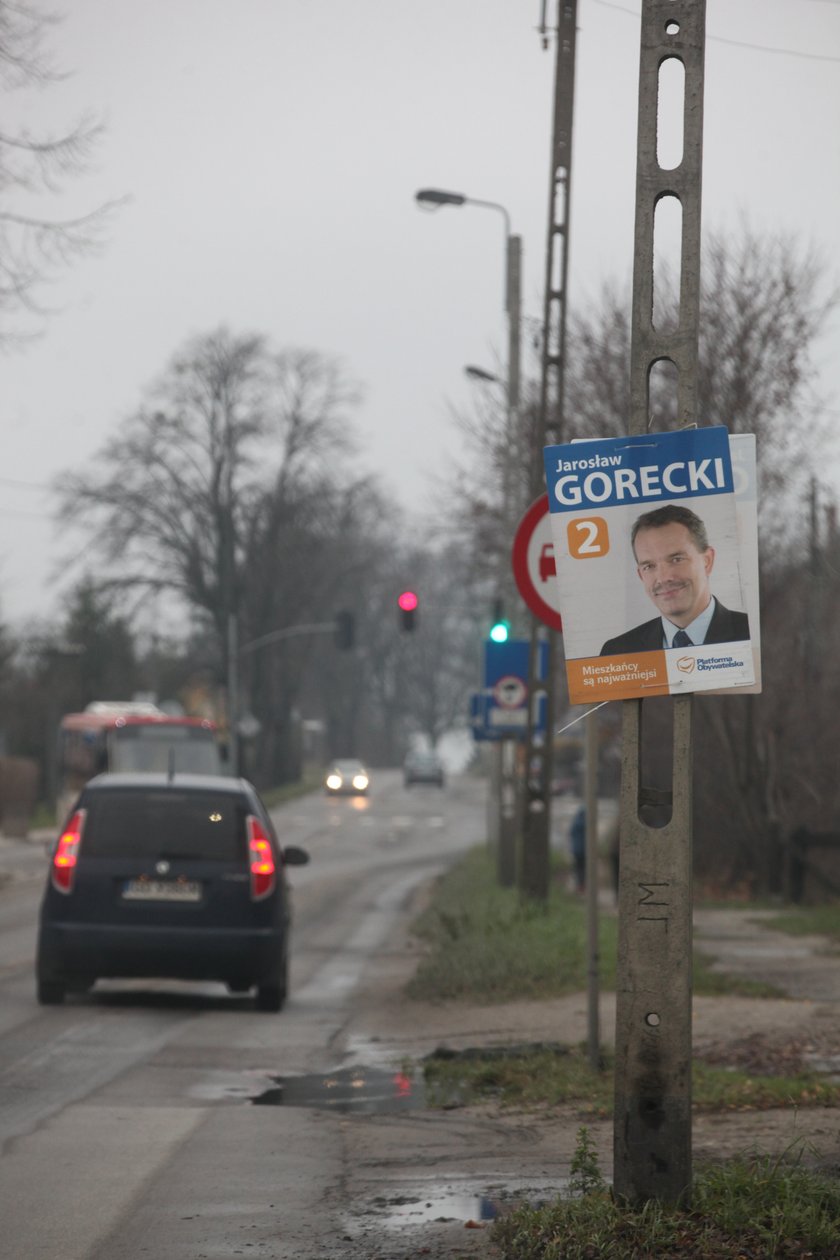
[(127, 1126)]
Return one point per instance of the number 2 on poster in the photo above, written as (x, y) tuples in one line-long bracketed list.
[(588, 537)]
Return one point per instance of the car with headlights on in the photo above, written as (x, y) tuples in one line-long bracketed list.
[(167, 877), (347, 778)]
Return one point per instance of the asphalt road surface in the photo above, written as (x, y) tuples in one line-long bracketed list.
[(127, 1121)]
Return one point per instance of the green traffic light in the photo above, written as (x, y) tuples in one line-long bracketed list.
[(499, 632)]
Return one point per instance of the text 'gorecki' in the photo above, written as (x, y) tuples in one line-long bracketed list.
[(683, 477)]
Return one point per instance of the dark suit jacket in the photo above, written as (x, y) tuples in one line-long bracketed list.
[(725, 627)]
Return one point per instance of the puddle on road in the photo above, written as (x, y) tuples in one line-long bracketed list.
[(449, 1205), (379, 1088), (441, 1203), (826, 1064), (360, 1090)]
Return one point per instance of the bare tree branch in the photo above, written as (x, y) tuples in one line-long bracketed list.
[(35, 246)]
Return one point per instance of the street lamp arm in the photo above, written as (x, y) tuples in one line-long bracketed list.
[(434, 198), (491, 205), (289, 632)]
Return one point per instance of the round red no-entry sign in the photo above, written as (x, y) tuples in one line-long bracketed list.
[(534, 566)]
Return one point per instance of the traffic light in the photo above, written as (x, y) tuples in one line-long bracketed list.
[(345, 630), (500, 629), (407, 603)]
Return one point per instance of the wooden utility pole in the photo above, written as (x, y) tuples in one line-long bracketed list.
[(652, 1138)]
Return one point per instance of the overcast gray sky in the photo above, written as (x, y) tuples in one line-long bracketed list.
[(272, 149)]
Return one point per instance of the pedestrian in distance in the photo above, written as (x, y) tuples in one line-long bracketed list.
[(577, 845)]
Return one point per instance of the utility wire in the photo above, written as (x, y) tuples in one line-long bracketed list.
[(738, 43)]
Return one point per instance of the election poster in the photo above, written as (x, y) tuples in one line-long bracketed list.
[(648, 556), (745, 480)]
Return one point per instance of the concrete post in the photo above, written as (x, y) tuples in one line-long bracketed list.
[(652, 1135)]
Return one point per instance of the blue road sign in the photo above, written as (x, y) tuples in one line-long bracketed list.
[(500, 709), (509, 660)]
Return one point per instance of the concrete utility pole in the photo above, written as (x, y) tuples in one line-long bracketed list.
[(652, 1137), (533, 873), (593, 957), (507, 799)]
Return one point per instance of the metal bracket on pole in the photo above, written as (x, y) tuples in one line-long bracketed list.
[(652, 1137)]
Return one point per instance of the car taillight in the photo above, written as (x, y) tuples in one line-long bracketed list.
[(67, 853), (260, 859)]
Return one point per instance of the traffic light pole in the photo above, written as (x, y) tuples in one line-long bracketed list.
[(652, 1136), (533, 873), (342, 627)]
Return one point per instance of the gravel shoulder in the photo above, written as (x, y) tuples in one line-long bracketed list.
[(401, 1163), (423, 1182)]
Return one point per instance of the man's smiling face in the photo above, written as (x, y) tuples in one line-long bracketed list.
[(675, 573)]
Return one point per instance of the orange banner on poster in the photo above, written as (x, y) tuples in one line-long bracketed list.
[(616, 677)]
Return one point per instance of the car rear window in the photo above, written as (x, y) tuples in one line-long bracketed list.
[(206, 825), (150, 749)]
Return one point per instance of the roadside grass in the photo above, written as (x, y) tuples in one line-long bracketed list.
[(553, 1075), (752, 1208), (708, 983), (808, 921), (311, 781), (43, 817), (485, 945)]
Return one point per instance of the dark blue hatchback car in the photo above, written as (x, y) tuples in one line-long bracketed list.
[(177, 877)]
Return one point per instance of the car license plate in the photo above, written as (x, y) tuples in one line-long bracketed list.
[(162, 890)]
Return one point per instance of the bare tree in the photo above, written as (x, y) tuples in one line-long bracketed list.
[(337, 534), (764, 764), (765, 303), (440, 662), (35, 247), (168, 499), (233, 486), (398, 684), (205, 477)]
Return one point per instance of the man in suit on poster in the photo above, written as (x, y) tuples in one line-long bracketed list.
[(674, 562)]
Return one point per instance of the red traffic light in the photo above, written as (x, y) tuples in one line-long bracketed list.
[(407, 601)]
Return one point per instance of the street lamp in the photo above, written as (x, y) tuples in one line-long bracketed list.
[(504, 777), (433, 199)]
